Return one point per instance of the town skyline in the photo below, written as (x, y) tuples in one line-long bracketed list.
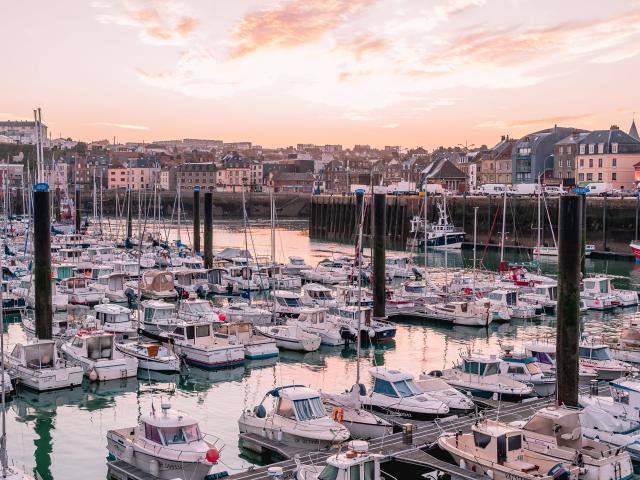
[(377, 72)]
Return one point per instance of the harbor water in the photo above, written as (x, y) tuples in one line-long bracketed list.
[(62, 435)]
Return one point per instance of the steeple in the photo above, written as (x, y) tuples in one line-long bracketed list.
[(633, 131)]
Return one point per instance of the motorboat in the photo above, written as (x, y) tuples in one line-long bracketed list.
[(296, 265), (25, 289), (291, 337), (167, 444), (509, 299), (395, 392), (398, 266), (543, 295), (190, 282), (151, 356), (555, 434), (317, 295), (243, 312), (245, 277), (218, 283), (471, 314), (298, 418), (601, 285), (278, 279), (355, 463), (286, 304), (157, 285), (358, 318), (61, 328), (198, 309), (525, 369), (11, 302), (544, 353), (116, 319), (458, 402), (328, 272), (36, 365), (347, 409), (351, 295), (94, 351), (495, 450), (317, 321), (480, 376), (112, 286), (78, 291), (256, 347), (128, 267), (626, 346), (596, 292), (598, 357)]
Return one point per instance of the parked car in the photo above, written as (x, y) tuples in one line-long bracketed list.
[(553, 190)]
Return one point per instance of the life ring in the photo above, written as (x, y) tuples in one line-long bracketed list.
[(337, 414), (532, 283), (467, 291)]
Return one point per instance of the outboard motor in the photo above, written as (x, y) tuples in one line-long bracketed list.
[(348, 334), (201, 291), (131, 296)]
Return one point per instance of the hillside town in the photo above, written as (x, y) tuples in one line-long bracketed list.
[(557, 156)]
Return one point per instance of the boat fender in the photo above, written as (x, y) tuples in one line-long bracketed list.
[(213, 455), (154, 468), (338, 414), (128, 454), (435, 373), (372, 333), (489, 473), (279, 435), (463, 464), (93, 375), (259, 411)]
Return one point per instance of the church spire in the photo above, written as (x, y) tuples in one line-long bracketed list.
[(633, 131)]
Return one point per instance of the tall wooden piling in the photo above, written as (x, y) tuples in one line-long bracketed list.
[(568, 322), (78, 210), (129, 216), (583, 237), (208, 230), (196, 219), (604, 223), (379, 253), (57, 205), (42, 261)]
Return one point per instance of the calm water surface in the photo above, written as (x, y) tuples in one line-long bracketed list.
[(62, 435)]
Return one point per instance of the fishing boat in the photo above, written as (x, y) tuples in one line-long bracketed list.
[(317, 321), (60, 328), (441, 235), (480, 376), (494, 449), (36, 365), (298, 418), (256, 347), (168, 444), (555, 434), (116, 319), (395, 392), (353, 464), (94, 351), (151, 356), (291, 337), (600, 285), (316, 295)]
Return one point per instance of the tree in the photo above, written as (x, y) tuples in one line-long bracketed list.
[(81, 148)]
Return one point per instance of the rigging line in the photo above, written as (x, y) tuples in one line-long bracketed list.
[(486, 245)]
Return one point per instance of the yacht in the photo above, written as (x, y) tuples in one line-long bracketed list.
[(354, 318), (78, 291), (298, 418), (318, 322), (296, 265), (168, 444), (509, 299), (480, 376), (287, 304), (600, 286), (94, 351), (316, 295), (151, 356), (458, 402), (494, 449), (256, 347), (353, 464), (36, 365), (555, 434), (291, 337), (116, 319), (395, 392)]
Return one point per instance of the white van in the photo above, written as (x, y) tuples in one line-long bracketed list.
[(553, 190), (521, 189), (493, 189), (433, 188), (599, 189)]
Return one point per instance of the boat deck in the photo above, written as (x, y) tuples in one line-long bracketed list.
[(425, 435), (121, 470)]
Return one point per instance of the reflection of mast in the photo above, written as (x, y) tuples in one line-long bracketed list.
[(44, 445)]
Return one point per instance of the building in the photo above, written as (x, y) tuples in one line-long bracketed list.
[(57, 176), (12, 175), (136, 177), (564, 158), (445, 173), (494, 165), (165, 179), (236, 146), (633, 131), (532, 155), (291, 182), (202, 144), (608, 156), (23, 131), (189, 175)]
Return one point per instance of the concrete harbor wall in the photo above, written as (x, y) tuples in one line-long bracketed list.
[(332, 218)]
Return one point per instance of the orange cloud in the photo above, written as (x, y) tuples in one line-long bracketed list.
[(291, 24), (364, 45), (546, 121)]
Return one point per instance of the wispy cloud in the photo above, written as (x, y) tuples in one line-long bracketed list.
[(291, 24), (545, 121), (122, 125), (161, 22), (390, 125)]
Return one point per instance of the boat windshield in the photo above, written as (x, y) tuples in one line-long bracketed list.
[(545, 358), (600, 353), (199, 307), (406, 388), (158, 313), (320, 294), (178, 435), (309, 409), (414, 289), (329, 473), (289, 301), (117, 318)]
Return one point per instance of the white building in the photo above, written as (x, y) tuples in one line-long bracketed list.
[(22, 131), (164, 180), (134, 178), (57, 177)]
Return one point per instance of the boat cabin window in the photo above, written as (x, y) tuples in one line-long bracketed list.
[(406, 388), (495, 296), (512, 298), (152, 433), (179, 331), (384, 388), (329, 473), (601, 353), (481, 440), (202, 331), (77, 342), (620, 396), (470, 367), (180, 435), (514, 443), (515, 369), (481, 368), (414, 289), (285, 408), (309, 409), (289, 301), (370, 470), (546, 358), (39, 355), (99, 347), (151, 313), (354, 472), (198, 307)]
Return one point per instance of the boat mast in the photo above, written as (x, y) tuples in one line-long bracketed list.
[(539, 220), (359, 259), (446, 244), (475, 233), (3, 439), (424, 230), (179, 202), (246, 248), (504, 219), (273, 228)]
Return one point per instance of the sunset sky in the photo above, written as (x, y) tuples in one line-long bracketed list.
[(277, 73)]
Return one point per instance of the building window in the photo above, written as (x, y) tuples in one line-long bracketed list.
[(560, 163), (600, 163), (614, 176), (614, 148), (560, 150), (600, 176), (591, 148), (581, 177), (582, 162), (581, 149), (591, 163), (614, 162), (601, 148), (589, 177), (569, 163)]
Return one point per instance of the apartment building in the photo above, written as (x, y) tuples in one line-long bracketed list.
[(133, 178), (202, 174)]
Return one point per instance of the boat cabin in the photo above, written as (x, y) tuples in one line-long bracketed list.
[(393, 383), (157, 281), (93, 271), (192, 263), (398, 262), (317, 292), (195, 333), (109, 313), (542, 353), (596, 285), (101, 253), (113, 282), (73, 284), (215, 275), (128, 267), (354, 464), (297, 261), (94, 344), (60, 271), (287, 300), (594, 351), (35, 355), (626, 392), (298, 403), (415, 288), (504, 297), (480, 365), (520, 365), (158, 311), (312, 316), (554, 426), (169, 428), (70, 254), (243, 272), (497, 442), (351, 313), (197, 309)]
